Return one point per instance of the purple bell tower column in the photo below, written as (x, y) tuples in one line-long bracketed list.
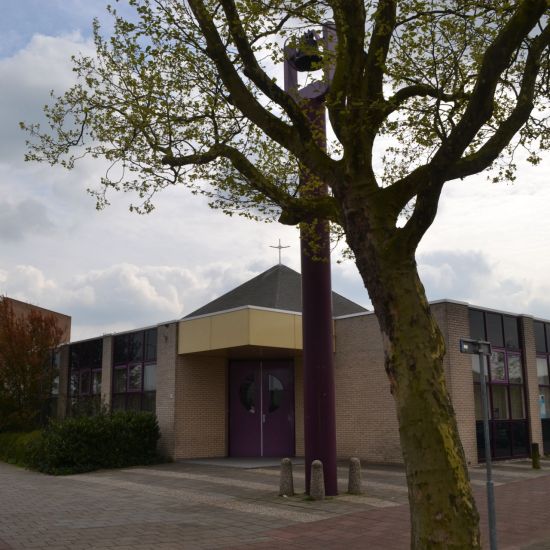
[(317, 323)]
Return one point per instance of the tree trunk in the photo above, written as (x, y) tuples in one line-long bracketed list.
[(442, 507)]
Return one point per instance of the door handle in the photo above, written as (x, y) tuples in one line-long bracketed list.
[(263, 418)]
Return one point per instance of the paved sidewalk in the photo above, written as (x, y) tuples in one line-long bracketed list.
[(211, 505)]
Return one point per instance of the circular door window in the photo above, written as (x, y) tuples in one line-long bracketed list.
[(275, 388), (247, 391)]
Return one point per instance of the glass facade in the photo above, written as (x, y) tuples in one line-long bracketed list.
[(505, 385), (50, 410), (134, 371), (542, 343), (85, 377)]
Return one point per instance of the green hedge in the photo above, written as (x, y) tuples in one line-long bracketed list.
[(20, 448), (83, 444)]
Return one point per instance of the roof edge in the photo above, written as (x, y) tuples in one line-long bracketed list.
[(260, 308)]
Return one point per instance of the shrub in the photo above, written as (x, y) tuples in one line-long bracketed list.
[(22, 449), (83, 444)]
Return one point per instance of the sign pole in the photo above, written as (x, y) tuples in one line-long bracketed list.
[(483, 349)]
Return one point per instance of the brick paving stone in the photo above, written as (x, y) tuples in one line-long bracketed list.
[(196, 507)]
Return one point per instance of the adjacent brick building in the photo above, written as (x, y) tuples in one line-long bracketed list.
[(227, 379), (22, 309)]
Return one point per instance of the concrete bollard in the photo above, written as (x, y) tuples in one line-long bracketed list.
[(317, 481), (354, 478), (286, 484), (535, 456)]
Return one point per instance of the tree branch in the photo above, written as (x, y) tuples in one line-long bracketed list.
[(294, 209), (496, 59), (345, 89), (258, 76), (287, 136), (488, 153), (420, 90), (446, 163), (384, 25), (441, 13), (425, 209), (397, 195), (427, 181)]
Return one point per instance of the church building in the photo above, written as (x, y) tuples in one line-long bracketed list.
[(226, 380)]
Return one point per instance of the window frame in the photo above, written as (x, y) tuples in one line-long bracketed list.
[(128, 363), (546, 357), (85, 358), (506, 383), (478, 323)]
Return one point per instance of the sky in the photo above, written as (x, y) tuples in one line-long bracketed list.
[(113, 270)]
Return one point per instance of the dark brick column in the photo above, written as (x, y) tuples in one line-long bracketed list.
[(107, 372), (62, 398)]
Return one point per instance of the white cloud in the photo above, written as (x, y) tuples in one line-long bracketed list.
[(122, 296), (29, 284), (25, 217), (113, 270), (27, 78), (469, 276)]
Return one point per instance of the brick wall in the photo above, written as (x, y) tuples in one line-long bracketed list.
[(527, 335), (454, 323), (366, 423), (366, 420), (22, 309), (166, 386), (201, 407)]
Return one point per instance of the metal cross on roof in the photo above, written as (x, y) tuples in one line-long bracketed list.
[(280, 248)]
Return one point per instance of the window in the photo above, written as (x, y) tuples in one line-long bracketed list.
[(120, 381), (247, 392), (504, 380), (499, 405), (85, 382), (128, 348), (515, 372), (276, 391), (134, 372), (151, 345), (497, 370), (50, 409), (517, 406), (495, 333), (542, 341), (542, 371), (96, 382), (511, 333), (149, 378), (85, 360), (477, 324), (135, 382)]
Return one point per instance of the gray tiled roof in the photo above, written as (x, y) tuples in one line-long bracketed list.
[(277, 288)]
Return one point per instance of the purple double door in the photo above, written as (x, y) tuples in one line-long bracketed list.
[(261, 408)]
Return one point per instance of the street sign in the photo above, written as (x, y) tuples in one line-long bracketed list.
[(475, 347)]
